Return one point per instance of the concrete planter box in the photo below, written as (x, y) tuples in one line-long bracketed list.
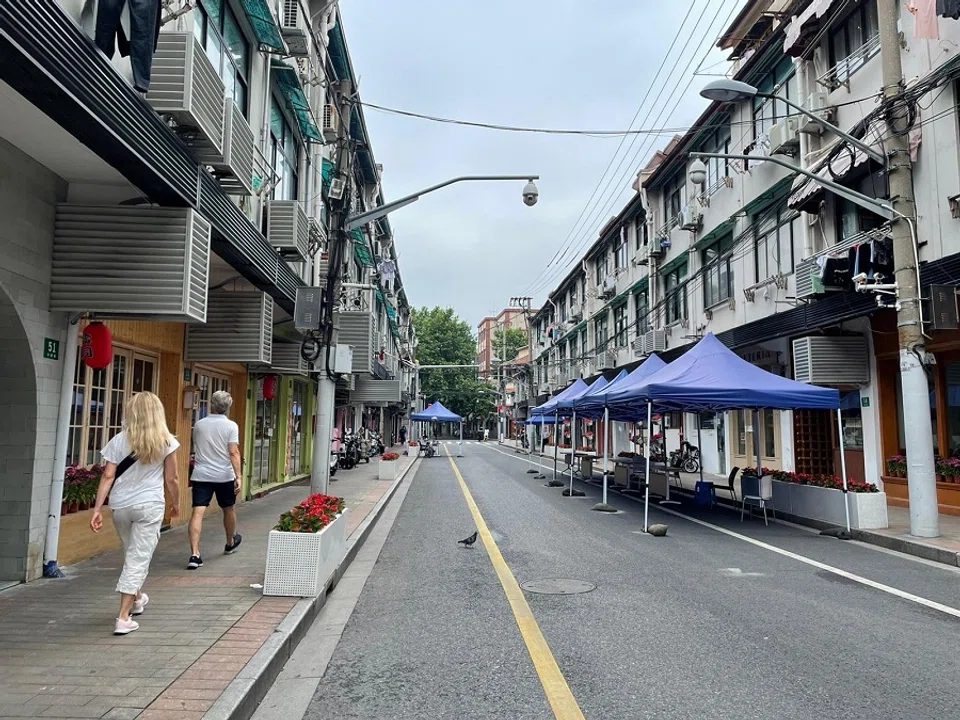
[(387, 469), (300, 564), (868, 511)]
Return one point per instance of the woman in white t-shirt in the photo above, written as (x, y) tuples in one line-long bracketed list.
[(138, 463)]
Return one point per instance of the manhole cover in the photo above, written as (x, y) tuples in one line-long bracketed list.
[(557, 587)]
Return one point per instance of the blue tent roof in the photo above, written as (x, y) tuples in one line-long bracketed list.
[(550, 406), (593, 404), (540, 420), (436, 413), (711, 377), (569, 402)]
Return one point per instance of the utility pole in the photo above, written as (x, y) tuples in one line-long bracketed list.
[(326, 380), (524, 303), (918, 431)]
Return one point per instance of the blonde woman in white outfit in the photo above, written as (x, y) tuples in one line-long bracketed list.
[(138, 462)]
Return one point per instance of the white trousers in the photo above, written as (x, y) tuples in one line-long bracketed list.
[(139, 529)]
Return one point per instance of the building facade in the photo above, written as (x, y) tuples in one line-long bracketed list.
[(515, 318), (765, 258), (184, 219)]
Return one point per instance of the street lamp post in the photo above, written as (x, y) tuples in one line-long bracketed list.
[(320, 472)]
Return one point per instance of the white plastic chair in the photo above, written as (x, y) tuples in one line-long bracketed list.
[(765, 495)]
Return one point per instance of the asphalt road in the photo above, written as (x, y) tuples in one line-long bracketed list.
[(700, 624)]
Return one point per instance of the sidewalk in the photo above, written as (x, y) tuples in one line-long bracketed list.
[(58, 657)]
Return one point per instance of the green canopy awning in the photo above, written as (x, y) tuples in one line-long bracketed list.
[(678, 262), (327, 171), (264, 26), (289, 85), (640, 285), (779, 190), (718, 232), (361, 252)]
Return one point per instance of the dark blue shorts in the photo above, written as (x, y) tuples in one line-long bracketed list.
[(203, 493)]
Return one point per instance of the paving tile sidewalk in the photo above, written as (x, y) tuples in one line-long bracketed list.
[(58, 657)]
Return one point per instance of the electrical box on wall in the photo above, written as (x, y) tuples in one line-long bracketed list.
[(943, 308), (343, 360)]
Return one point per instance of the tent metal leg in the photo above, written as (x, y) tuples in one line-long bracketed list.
[(843, 468), (646, 494)]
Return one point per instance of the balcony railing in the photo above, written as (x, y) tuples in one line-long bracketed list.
[(841, 73)]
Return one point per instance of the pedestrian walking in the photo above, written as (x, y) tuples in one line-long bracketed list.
[(139, 461), (403, 435), (216, 446)]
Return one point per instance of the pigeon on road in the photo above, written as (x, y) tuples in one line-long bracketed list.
[(468, 542)]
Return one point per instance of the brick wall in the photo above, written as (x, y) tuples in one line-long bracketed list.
[(29, 384)]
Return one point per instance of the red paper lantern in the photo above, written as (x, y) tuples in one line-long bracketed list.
[(97, 348), (270, 387)]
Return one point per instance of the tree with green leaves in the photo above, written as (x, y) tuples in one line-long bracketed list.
[(507, 348), (444, 339)]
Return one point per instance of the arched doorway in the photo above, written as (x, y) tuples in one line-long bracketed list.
[(18, 437)]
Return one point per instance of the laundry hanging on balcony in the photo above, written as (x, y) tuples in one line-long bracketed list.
[(804, 27), (925, 23), (130, 26), (949, 9)]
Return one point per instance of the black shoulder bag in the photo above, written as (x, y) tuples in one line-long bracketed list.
[(124, 465)]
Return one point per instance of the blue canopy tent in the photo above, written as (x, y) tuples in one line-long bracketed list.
[(710, 377), (568, 404), (438, 413), (593, 404), (550, 407)]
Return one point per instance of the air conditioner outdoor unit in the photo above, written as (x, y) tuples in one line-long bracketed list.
[(293, 27), (233, 167), (816, 102), (824, 360), (638, 348), (337, 187), (288, 229), (331, 123), (690, 217), (784, 138), (575, 312), (609, 287), (186, 87), (655, 341)]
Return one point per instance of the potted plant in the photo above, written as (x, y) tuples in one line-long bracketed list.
[(306, 547), (897, 466), (387, 470)]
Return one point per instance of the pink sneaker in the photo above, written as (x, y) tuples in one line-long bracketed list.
[(125, 627), (140, 604)]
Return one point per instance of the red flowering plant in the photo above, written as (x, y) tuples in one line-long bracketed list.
[(312, 515), (390, 457), (831, 482), (80, 485)]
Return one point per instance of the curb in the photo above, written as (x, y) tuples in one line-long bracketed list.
[(243, 696)]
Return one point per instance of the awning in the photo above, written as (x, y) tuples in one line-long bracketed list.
[(264, 26), (327, 171), (717, 233), (676, 263), (289, 85), (806, 193), (804, 26), (360, 250)]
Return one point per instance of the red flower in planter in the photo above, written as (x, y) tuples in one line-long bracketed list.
[(312, 515), (390, 456)]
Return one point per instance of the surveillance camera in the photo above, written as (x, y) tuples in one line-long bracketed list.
[(530, 194)]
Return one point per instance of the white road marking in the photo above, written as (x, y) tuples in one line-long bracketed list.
[(896, 592), (737, 572)]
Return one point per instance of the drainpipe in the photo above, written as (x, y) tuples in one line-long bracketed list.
[(806, 233), (52, 539)]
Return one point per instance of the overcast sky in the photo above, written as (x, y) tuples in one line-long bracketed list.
[(539, 63)]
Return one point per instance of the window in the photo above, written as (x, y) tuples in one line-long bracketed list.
[(217, 29), (676, 294), (601, 331), (603, 267), (264, 459), (620, 251), (641, 303), (854, 41), (98, 400), (673, 199), (296, 432), (284, 155), (717, 272), (574, 353), (718, 141), (573, 296), (209, 383), (562, 309), (620, 325), (640, 228), (774, 230), (781, 80)]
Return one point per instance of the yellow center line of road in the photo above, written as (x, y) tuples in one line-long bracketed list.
[(555, 686)]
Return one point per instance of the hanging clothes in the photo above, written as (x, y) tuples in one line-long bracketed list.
[(132, 26), (949, 9), (925, 23)]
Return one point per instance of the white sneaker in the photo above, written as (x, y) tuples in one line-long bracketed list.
[(125, 627), (140, 604)]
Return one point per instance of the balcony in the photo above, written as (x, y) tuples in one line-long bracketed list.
[(840, 74)]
